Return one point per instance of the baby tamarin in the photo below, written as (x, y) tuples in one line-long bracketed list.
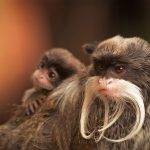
[(55, 66)]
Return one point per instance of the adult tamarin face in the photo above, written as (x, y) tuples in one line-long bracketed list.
[(119, 73)]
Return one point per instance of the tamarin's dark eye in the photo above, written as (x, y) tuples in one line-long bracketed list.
[(42, 65), (100, 67), (119, 69), (52, 74), (98, 64)]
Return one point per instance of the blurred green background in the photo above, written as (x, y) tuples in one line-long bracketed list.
[(29, 27)]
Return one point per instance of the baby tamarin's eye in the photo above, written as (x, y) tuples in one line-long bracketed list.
[(42, 65), (120, 69), (52, 73)]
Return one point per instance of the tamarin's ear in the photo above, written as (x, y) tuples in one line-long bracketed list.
[(89, 48)]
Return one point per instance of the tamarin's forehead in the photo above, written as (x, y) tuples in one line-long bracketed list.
[(117, 40), (119, 46), (114, 45)]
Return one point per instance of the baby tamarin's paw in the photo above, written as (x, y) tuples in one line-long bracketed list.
[(33, 105)]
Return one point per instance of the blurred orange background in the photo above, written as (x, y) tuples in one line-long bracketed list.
[(29, 27)]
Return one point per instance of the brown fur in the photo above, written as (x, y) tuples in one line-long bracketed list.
[(57, 127)]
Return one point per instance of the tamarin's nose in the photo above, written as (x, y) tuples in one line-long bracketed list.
[(105, 81)]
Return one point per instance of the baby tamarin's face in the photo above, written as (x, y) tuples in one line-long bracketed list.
[(55, 66), (45, 77)]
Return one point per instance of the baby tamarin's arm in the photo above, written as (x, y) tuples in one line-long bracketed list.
[(33, 99), (55, 66)]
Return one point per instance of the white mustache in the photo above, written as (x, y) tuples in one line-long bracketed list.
[(129, 92)]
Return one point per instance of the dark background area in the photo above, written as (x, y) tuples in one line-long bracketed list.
[(29, 27)]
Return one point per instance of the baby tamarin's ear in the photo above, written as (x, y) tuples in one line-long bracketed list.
[(89, 47)]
